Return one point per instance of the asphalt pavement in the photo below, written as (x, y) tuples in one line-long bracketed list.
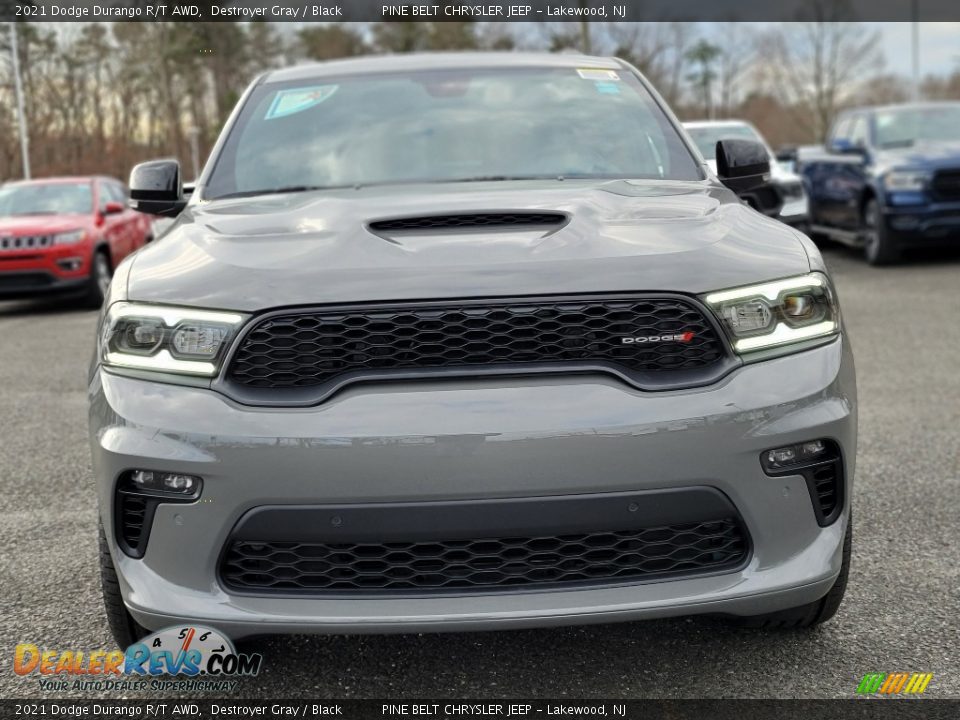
[(900, 613)]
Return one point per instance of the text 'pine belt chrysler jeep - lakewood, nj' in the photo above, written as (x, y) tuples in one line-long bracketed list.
[(470, 341)]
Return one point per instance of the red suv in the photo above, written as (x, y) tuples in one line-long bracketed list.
[(66, 235)]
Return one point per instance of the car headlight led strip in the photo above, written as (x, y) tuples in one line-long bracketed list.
[(164, 339), (778, 313)]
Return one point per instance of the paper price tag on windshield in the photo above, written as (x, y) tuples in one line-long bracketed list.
[(288, 102), (598, 74)]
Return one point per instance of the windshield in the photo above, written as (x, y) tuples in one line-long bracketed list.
[(706, 137), (906, 126), (446, 126), (46, 199)]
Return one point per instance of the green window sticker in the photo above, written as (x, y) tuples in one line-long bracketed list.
[(289, 102)]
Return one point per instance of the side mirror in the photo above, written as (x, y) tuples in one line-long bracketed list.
[(155, 188), (742, 165), (112, 207)]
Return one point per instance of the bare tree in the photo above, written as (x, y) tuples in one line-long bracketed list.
[(336, 40), (736, 42), (658, 49), (814, 67)]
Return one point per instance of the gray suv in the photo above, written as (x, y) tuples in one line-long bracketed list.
[(469, 341)]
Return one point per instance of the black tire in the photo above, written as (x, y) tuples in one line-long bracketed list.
[(879, 246), (125, 630), (811, 614), (100, 274)]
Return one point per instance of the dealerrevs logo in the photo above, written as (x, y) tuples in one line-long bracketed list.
[(187, 651), (683, 337)]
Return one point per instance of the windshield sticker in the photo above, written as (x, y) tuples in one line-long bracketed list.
[(288, 102), (607, 88), (597, 74)]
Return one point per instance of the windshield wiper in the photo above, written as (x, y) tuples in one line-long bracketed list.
[(499, 178), (557, 176), (279, 191)]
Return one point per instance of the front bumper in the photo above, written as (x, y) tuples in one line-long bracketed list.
[(26, 273), (924, 224), (424, 442), (15, 285)]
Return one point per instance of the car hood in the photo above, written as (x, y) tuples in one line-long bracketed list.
[(41, 224), (930, 155), (273, 251)]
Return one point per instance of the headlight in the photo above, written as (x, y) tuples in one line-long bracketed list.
[(167, 339), (906, 180), (792, 191), (68, 238), (777, 313)]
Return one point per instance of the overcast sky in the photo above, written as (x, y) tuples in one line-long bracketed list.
[(939, 47)]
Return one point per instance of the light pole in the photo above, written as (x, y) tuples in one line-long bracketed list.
[(21, 113), (915, 13), (194, 132)]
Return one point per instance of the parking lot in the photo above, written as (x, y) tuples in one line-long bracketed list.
[(901, 608)]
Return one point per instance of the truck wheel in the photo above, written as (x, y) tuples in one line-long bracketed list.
[(878, 245), (125, 630), (100, 274), (814, 613)]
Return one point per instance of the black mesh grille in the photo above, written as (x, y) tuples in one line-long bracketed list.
[(311, 348), (826, 488), (132, 516), (946, 185), (468, 221), (491, 563), (24, 281)]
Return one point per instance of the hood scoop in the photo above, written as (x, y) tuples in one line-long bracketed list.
[(471, 221)]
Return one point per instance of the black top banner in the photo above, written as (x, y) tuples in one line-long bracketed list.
[(512, 709), (483, 11)]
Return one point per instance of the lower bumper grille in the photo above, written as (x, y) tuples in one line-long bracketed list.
[(25, 280), (487, 563)]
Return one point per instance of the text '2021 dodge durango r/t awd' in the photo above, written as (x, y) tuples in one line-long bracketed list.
[(467, 342)]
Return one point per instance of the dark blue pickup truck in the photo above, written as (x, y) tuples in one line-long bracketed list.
[(888, 179)]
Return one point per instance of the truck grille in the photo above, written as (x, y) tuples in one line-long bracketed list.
[(946, 185), (653, 337), (488, 563)]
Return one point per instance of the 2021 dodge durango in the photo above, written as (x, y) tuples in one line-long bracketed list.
[(468, 341), (65, 235)]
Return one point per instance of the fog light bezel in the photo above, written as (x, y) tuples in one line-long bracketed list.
[(807, 468), (125, 488), (153, 491), (70, 264)]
